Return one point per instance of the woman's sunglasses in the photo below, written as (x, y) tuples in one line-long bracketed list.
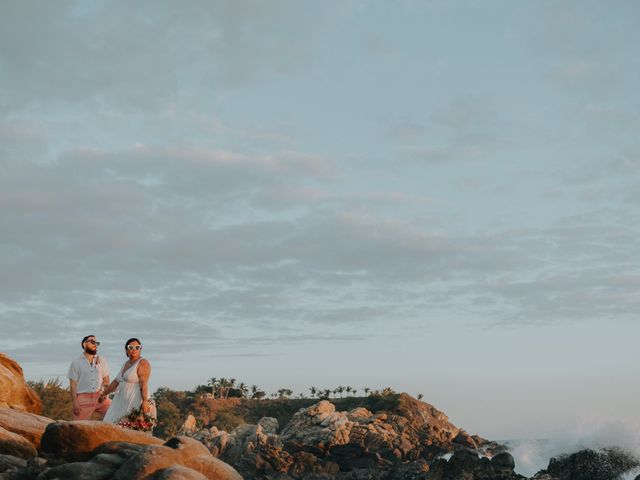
[(134, 347)]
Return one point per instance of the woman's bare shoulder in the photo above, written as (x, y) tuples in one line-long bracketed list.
[(144, 363)]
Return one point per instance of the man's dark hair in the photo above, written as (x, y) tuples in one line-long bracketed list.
[(86, 338), (131, 340)]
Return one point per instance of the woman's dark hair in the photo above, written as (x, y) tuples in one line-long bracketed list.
[(131, 340)]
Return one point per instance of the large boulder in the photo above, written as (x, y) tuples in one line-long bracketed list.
[(14, 391), (15, 445), (318, 426), (27, 425), (75, 441), (178, 451)]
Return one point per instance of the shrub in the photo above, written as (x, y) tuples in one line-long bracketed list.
[(56, 400), (227, 420)]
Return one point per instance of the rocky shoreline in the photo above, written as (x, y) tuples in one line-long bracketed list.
[(414, 440)]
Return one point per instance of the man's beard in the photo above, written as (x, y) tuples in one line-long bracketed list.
[(90, 350)]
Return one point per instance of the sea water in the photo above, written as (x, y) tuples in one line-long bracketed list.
[(533, 455)]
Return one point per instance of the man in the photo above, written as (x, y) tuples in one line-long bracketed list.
[(88, 375)]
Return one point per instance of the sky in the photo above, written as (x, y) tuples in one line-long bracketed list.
[(437, 196)]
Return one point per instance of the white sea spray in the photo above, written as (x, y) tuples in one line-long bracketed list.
[(532, 455)]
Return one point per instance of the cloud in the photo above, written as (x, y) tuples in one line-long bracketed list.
[(466, 128), (578, 40), (129, 234), (142, 57)]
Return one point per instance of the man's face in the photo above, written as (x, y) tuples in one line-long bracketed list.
[(91, 345)]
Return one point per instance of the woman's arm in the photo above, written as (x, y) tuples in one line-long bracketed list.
[(144, 372), (112, 386)]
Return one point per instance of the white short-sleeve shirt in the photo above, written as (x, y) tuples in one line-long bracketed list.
[(87, 375)]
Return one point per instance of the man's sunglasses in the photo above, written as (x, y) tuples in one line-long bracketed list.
[(94, 342), (134, 347)]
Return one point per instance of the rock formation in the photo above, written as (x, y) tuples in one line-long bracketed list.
[(76, 441), (409, 440), (14, 391), (607, 464), (35, 447), (28, 426), (356, 444)]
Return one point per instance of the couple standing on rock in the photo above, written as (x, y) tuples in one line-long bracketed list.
[(89, 383)]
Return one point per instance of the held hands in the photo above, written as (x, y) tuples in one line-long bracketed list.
[(76, 407), (146, 406)]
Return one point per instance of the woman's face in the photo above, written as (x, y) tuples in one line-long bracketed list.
[(133, 350)]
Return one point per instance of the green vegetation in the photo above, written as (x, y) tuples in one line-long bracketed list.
[(56, 400), (226, 406), (225, 403)]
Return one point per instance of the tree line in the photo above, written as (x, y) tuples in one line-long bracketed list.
[(223, 388)]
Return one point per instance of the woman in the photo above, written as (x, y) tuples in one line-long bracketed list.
[(131, 382)]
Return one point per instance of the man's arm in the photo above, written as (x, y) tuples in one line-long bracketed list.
[(104, 371), (112, 386), (73, 388)]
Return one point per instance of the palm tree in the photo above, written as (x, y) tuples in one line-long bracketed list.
[(213, 383), (347, 389), (285, 393), (366, 390), (313, 391), (243, 389), (231, 384), (420, 396), (256, 393), (222, 385)]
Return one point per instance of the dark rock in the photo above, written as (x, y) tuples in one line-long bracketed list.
[(504, 461), (409, 471), (178, 472), (111, 460), (78, 471), (9, 462), (607, 464), (123, 449), (466, 465)]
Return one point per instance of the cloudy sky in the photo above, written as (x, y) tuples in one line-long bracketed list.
[(438, 196)]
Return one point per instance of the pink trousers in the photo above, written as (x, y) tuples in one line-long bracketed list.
[(89, 404)]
